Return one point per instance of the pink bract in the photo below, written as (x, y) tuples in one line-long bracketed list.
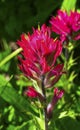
[(67, 26), (31, 92), (40, 53), (58, 93)]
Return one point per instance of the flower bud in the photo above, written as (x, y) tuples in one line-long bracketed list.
[(49, 110), (32, 93), (57, 95)]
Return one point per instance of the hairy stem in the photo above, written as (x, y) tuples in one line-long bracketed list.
[(45, 106)]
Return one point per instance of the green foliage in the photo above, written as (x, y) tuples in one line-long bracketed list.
[(67, 123), (7, 92), (68, 5)]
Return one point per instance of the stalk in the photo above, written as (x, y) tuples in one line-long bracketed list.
[(66, 57), (45, 106)]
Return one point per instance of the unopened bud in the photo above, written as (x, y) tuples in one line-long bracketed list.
[(49, 110)]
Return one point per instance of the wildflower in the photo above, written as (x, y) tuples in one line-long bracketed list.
[(40, 52), (57, 95), (67, 26), (31, 92)]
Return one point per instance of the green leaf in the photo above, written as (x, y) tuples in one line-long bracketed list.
[(68, 5), (9, 94), (39, 123), (72, 76), (67, 123), (71, 61), (30, 125), (10, 56), (2, 56), (11, 127)]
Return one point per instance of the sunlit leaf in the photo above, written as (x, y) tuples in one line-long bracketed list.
[(68, 5)]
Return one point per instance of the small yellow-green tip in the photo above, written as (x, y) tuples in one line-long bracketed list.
[(38, 27)]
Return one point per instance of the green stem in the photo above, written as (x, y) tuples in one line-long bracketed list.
[(9, 57), (45, 107), (46, 120), (66, 57)]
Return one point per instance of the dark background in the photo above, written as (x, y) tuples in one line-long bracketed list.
[(19, 16)]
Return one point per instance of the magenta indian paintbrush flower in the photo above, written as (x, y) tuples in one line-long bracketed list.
[(38, 62), (39, 56), (67, 26)]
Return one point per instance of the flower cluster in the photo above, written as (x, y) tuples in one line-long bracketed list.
[(67, 26), (40, 52)]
